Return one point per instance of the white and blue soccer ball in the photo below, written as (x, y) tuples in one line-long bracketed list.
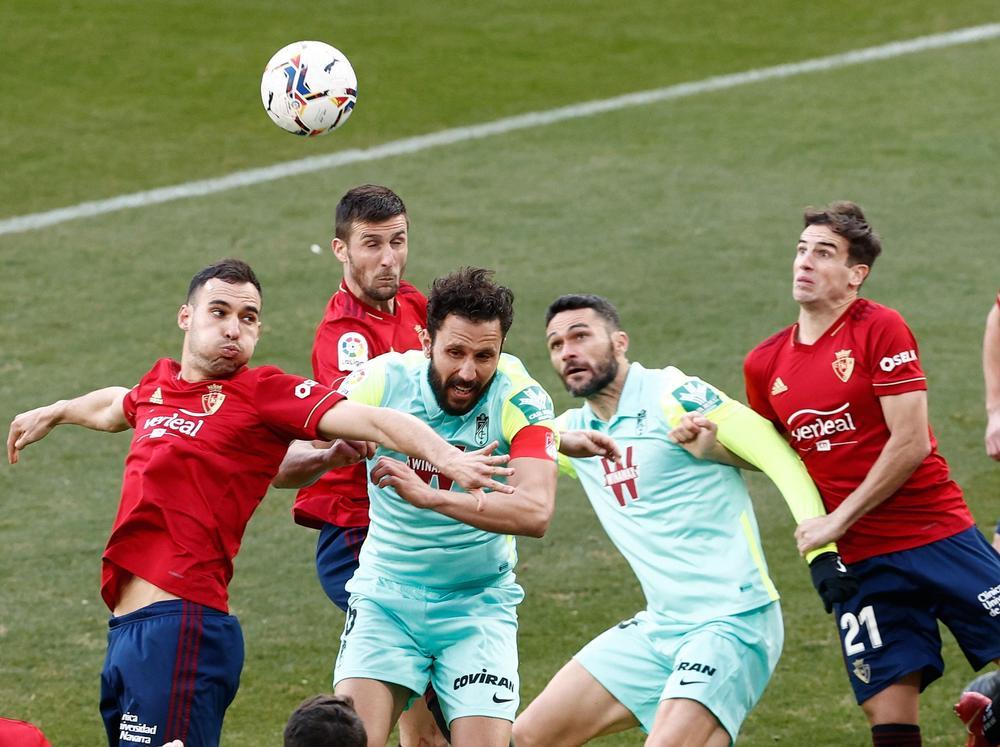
[(309, 88)]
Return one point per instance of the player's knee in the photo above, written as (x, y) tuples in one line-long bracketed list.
[(524, 733)]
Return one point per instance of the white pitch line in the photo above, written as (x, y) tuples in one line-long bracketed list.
[(33, 221)]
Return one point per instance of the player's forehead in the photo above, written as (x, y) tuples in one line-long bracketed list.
[(386, 229), (822, 235), (567, 321), (457, 332), (234, 295)]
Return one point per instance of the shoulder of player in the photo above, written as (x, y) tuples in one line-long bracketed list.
[(871, 313), (411, 293)]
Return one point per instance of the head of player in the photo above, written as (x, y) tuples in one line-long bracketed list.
[(468, 317), (371, 242), (325, 721), (587, 346), (834, 255), (220, 319)]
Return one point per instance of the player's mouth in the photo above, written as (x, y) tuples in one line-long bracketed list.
[(230, 351), (573, 369)]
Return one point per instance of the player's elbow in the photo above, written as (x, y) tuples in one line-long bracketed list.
[(537, 520)]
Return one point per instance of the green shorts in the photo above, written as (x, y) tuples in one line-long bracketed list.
[(463, 641), (724, 663)]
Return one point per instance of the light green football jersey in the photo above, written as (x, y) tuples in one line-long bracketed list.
[(686, 526), (420, 546)]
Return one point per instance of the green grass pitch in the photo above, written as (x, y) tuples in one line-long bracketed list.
[(684, 213)]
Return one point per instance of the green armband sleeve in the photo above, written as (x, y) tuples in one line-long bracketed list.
[(752, 438)]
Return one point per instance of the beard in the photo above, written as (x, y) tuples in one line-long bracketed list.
[(603, 373), (440, 389)]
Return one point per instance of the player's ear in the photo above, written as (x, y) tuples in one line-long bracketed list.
[(425, 341), (619, 338), (184, 317), (339, 249), (858, 274)]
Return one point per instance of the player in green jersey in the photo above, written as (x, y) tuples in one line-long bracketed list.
[(434, 597), (689, 667)]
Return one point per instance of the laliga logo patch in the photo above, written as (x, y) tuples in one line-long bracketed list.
[(843, 365), (862, 671), (352, 381), (352, 351)]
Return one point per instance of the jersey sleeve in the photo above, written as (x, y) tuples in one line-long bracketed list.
[(292, 405), (530, 406), (535, 442), (753, 439), (130, 403), (893, 357), (366, 386), (755, 381), (341, 347)]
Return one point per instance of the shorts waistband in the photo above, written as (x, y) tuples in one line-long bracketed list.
[(163, 609)]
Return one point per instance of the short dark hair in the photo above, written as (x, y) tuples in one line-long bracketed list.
[(229, 270), (370, 203), (573, 301), (848, 220), (325, 721), (470, 293)]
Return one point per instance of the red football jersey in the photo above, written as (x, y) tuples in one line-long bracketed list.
[(202, 458), (825, 397), (351, 333)]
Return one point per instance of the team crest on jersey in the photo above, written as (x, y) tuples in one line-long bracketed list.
[(482, 428), (862, 670), (640, 422), (535, 404), (620, 478), (352, 351), (210, 403), (843, 365), (697, 396)]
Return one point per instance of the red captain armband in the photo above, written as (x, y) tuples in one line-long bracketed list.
[(534, 441)]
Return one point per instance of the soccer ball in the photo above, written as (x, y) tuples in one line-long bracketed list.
[(309, 88)]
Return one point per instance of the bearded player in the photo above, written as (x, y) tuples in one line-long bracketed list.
[(689, 667), (844, 383), (435, 598)]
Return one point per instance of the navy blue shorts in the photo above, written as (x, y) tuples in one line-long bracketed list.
[(337, 559), (171, 671), (890, 627)]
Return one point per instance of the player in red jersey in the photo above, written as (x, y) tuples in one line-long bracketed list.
[(845, 385), (374, 311), (210, 435)]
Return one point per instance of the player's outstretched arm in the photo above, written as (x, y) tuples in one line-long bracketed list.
[(991, 376), (399, 431), (100, 410), (306, 461), (526, 511), (906, 448)]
